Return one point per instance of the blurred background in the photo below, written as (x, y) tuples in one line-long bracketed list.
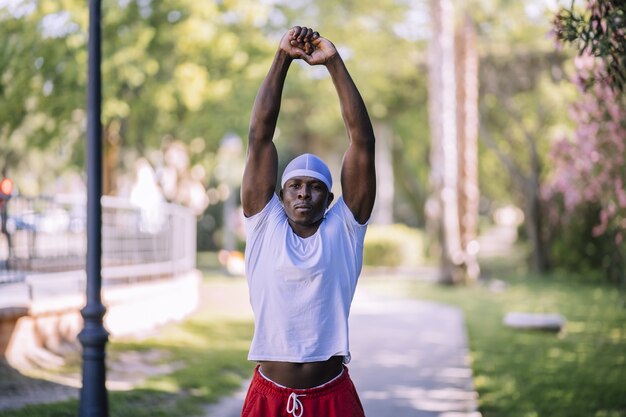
[(499, 124), (180, 78)]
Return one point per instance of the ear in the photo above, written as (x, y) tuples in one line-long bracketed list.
[(331, 197), (280, 195)]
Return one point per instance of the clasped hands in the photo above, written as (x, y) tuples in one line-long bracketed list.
[(306, 44)]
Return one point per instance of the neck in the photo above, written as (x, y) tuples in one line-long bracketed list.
[(303, 230)]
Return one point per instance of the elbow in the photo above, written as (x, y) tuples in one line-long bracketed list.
[(367, 142), (256, 135), (261, 131)]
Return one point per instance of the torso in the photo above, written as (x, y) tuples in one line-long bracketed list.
[(302, 375), (288, 279)]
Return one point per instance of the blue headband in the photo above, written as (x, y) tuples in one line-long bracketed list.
[(307, 165)]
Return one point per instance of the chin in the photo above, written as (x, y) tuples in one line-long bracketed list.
[(304, 221)]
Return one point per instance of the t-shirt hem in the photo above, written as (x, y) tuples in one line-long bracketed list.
[(295, 359)]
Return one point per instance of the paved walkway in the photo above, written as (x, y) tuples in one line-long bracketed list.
[(409, 359)]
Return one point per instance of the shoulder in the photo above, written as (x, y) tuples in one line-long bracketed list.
[(272, 210), (340, 210)]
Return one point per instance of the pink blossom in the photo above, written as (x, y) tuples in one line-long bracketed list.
[(598, 230), (589, 167)]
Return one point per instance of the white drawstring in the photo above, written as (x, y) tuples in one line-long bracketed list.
[(294, 406)]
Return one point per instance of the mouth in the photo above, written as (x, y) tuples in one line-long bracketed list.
[(302, 207)]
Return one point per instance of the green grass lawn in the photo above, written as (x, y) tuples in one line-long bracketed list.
[(578, 373)]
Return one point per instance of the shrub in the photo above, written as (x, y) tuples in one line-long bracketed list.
[(575, 249), (393, 245)]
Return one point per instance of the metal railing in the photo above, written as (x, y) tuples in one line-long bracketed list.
[(45, 235)]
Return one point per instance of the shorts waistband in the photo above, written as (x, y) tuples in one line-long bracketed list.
[(268, 387)]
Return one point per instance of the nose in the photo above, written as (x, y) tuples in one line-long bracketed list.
[(305, 192)]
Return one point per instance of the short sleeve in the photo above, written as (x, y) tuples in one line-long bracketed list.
[(341, 209), (254, 223)]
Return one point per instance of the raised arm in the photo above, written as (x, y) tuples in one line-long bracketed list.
[(358, 174), (261, 170)]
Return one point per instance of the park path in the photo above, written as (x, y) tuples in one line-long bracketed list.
[(409, 359)]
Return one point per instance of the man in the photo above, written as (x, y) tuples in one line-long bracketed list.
[(303, 257)]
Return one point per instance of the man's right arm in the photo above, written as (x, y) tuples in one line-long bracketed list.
[(261, 170)]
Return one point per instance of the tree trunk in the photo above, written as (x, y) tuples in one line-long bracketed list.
[(442, 207), (467, 134), (539, 259)]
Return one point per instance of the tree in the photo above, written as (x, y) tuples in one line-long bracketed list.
[(518, 118), (453, 98), (382, 45), (589, 174), (443, 206), (169, 72), (177, 71), (599, 30), (40, 94), (523, 103), (467, 142), (589, 168)]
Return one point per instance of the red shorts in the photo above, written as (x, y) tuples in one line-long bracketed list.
[(337, 398)]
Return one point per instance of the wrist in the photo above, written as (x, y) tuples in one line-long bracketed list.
[(282, 57), (333, 60)]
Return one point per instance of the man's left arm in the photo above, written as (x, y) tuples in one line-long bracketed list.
[(358, 173)]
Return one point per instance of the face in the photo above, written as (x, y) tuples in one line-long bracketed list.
[(305, 200)]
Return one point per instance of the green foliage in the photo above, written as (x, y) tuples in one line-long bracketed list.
[(39, 97), (523, 106), (588, 166), (393, 87), (189, 71), (386, 44), (523, 99), (393, 245), (175, 69), (575, 248), (597, 29), (523, 109), (411, 151), (578, 373)]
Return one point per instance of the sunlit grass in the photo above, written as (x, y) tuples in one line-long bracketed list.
[(578, 373)]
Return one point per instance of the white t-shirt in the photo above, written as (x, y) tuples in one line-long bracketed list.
[(301, 288)]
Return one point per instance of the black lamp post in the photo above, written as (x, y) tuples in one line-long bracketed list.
[(93, 337)]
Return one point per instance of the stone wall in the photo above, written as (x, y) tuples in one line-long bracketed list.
[(41, 333)]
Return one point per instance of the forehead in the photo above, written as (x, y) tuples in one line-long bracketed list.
[(304, 180)]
